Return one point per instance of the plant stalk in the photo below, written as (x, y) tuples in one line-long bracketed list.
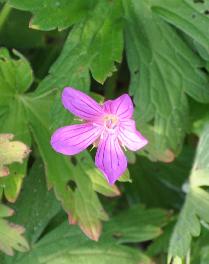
[(4, 13)]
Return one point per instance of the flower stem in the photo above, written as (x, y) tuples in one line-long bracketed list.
[(4, 13)]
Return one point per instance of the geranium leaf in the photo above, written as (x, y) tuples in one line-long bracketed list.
[(15, 78), (161, 74), (10, 234), (120, 229), (82, 204), (189, 16), (10, 152), (52, 14), (125, 227), (5, 211), (16, 75), (158, 183), (71, 245), (84, 50), (36, 206), (107, 45), (99, 182), (192, 213)]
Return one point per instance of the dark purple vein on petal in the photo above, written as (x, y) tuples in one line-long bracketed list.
[(111, 152), (81, 110), (105, 143), (119, 105), (116, 152), (124, 111), (67, 139), (84, 140), (96, 110)]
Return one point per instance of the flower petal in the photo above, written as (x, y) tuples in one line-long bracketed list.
[(122, 106), (130, 137), (110, 158), (70, 140), (80, 104)]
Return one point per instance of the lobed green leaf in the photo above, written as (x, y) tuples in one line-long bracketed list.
[(161, 75)]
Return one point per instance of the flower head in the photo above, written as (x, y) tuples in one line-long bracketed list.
[(109, 127)]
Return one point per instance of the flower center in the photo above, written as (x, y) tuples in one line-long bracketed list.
[(110, 121)]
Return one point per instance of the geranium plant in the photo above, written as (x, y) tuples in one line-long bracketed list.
[(104, 131)]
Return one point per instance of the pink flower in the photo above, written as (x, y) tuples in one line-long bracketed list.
[(109, 126)]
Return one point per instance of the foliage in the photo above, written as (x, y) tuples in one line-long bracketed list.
[(10, 152), (164, 77), (11, 235), (158, 52), (192, 213)]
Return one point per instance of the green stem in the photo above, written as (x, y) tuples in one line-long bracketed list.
[(188, 257), (4, 13)]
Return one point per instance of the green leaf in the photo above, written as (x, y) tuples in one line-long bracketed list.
[(84, 49), (11, 235), (88, 210), (99, 183), (5, 211), (136, 224), (151, 151), (14, 121), (10, 152), (71, 245), (160, 244), (81, 203), (125, 177), (200, 171), (36, 206), (199, 245), (159, 184), (189, 16), (57, 168), (107, 45), (188, 224), (15, 77), (51, 14), (161, 74), (67, 244), (192, 213), (95, 43)]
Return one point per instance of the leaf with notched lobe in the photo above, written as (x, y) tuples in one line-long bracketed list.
[(10, 234), (52, 14), (16, 77), (29, 114), (188, 15), (67, 244), (195, 208), (10, 152), (163, 70)]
